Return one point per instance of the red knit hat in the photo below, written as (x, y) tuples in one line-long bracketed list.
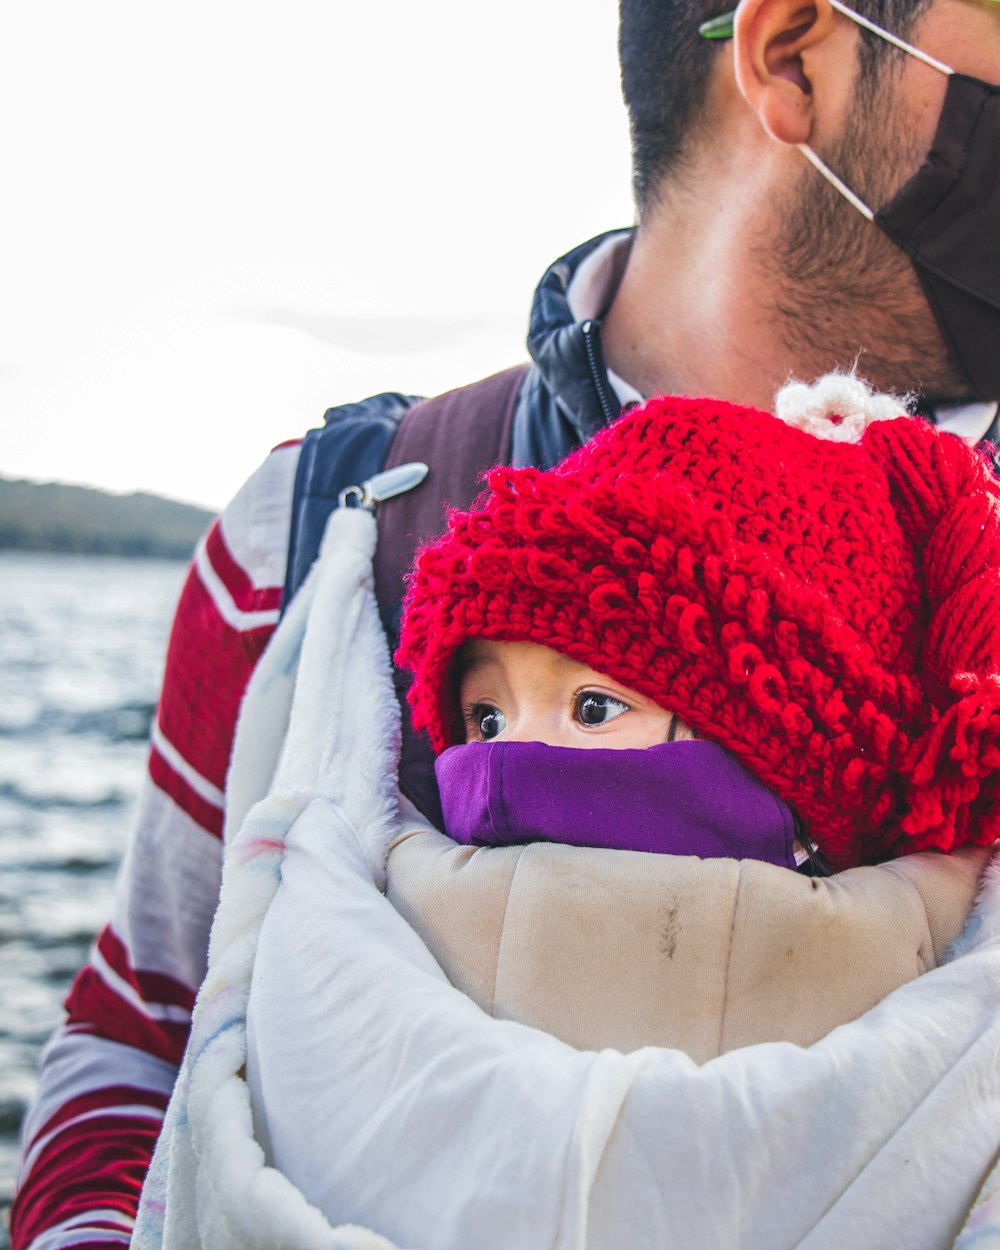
[(829, 611)]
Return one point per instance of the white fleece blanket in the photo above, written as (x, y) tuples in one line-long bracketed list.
[(379, 1095)]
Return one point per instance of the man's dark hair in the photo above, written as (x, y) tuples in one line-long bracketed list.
[(665, 67)]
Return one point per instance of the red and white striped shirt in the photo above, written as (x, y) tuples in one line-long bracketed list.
[(107, 1075)]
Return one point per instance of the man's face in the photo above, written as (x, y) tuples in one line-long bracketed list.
[(847, 291)]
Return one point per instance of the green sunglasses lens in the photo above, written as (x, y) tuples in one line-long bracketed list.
[(718, 27)]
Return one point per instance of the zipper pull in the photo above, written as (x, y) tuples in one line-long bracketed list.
[(384, 485)]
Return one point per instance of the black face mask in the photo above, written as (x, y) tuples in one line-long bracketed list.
[(947, 219)]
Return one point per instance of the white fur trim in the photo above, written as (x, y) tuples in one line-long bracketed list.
[(320, 725), (983, 926), (839, 407)]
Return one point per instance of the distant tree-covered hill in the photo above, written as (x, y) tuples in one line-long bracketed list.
[(50, 516)]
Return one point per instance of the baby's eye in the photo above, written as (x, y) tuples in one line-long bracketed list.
[(485, 721), (594, 708)]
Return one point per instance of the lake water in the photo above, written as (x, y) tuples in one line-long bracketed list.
[(81, 654)]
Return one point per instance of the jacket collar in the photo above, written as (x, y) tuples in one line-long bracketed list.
[(564, 331)]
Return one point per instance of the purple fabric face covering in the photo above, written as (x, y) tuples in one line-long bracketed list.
[(676, 798)]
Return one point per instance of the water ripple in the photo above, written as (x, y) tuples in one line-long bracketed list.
[(127, 722)]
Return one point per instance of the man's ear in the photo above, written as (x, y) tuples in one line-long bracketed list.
[(777, 46)]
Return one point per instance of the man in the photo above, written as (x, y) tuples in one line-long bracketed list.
[(748, 266)]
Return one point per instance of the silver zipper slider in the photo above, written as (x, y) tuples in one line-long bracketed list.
[(384, 485)]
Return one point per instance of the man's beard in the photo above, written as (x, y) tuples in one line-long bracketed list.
[(847, 295)]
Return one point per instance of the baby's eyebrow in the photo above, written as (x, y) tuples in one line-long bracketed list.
[(563, 658), (474, 664)]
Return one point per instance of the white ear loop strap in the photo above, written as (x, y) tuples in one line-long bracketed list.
[(927, 59), (832, 178), (895, 40)]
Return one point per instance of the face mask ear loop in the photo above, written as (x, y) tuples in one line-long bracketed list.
[(834, 181), (807, 151), (895, 40)]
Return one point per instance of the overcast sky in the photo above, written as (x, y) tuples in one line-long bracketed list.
[(219, 218)]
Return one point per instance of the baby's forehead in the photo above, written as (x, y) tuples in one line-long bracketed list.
[(479, 653)]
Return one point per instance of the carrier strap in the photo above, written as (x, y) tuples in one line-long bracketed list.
[(459, 435), (346, 450)]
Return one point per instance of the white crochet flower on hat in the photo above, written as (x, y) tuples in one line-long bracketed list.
[(838, 407)]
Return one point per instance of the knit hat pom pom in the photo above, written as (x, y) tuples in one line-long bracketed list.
[(954, 779), (839, 407)]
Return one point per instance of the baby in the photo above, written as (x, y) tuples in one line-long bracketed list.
[(817, 607), (782, 626)]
